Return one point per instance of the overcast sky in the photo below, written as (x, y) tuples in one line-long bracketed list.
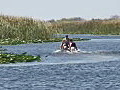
[(57, 9)]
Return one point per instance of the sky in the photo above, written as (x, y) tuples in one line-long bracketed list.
[(57, 9)]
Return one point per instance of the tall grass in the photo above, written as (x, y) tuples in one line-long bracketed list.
[(24, 28), (88, 27)]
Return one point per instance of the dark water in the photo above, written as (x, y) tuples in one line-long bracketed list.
[(96, 67)]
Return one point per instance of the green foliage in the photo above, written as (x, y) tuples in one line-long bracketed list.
[(6, 58), (17, 41), (11, 41), (71, 19), (14, 58), (24, 28), (21, 30), (88, 27), (60, 39)]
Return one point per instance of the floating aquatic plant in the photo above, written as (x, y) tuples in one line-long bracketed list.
[(6, 58), (14, 58)]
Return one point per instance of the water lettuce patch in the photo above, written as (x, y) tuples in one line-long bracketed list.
[(60, 39), (18, 41), (14, 58)]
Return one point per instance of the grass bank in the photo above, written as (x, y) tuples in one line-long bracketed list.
[(95, 27), (32, 30), (24, 28), (21, 30)]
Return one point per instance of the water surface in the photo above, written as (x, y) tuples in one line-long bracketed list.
[(96, 67)]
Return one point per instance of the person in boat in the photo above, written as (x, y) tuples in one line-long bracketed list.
[(72, 45), (65, 43)]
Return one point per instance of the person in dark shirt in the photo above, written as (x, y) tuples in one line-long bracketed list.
[(72, 45)]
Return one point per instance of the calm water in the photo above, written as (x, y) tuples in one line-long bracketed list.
[(96, 67)]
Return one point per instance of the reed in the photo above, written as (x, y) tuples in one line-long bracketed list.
[(88, 27), (29, 29), (24, 28)]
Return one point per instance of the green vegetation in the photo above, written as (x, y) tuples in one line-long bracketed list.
[(88, 27), (24, 28), (21, 30), (17, 41), (6, 58), (60, 39), (14, 58)]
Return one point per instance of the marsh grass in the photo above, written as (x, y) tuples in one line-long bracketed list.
[(24, 28), (21, 30), (88, 27)]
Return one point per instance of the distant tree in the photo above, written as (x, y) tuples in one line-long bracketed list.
[(115, 17), (72, 19), (52, 20), (96, 20), (77, 19), (63, 19)]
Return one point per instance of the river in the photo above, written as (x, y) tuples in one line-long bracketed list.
[(95, 67)]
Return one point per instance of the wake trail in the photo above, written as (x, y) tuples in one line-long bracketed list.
[(103, 52)]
